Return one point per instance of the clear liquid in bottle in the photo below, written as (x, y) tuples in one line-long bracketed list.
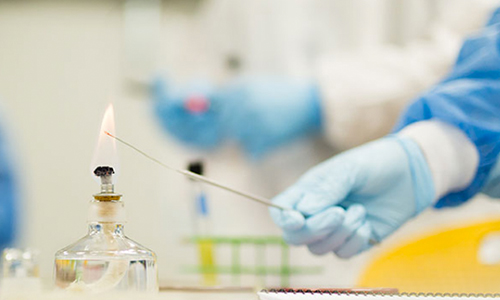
[(105, 274)]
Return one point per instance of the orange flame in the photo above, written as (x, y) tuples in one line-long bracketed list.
[(105, 153)]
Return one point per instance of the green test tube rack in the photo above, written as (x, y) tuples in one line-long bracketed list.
[(260, 268)]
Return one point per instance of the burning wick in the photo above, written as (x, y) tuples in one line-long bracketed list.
[(106, 174)]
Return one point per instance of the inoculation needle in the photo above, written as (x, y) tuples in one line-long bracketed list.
[(204, 179)]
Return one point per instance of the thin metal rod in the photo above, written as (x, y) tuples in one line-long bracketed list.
[(204, 179), (259, 199), (141, 152)]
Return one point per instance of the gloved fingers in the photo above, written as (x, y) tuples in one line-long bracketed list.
[(289, 220), (354, 218), (316, 227), (357, 243), (200, 130), (288, 199), (168, 105), (194, 97), (197, 96), (333, 183)]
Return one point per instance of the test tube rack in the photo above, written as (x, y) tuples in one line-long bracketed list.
[(260, 267)]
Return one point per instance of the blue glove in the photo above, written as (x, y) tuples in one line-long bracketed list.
[(260, 114), (365, 193), (187, 114)]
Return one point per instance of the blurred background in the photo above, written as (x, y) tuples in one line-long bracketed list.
[(62, 62)]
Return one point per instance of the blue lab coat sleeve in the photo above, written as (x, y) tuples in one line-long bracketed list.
[(468, 98), (8, 195)]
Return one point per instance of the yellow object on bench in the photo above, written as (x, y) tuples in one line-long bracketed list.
[(446, 261)]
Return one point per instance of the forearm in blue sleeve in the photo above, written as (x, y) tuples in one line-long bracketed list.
[(469, 99)]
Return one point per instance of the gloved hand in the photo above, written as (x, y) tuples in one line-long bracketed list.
[(260, 114), (365, 193), (187, 114)]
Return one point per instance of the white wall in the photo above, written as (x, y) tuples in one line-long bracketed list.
[(61, 62)]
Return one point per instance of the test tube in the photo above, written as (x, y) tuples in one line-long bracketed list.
[(203, 227)]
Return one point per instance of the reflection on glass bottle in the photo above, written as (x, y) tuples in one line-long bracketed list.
[(105, 259)]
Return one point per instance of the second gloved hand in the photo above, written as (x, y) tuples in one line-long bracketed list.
[(362, 194), (258, 113)]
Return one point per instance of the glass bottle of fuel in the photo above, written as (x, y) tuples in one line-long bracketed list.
[(105, 259)]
